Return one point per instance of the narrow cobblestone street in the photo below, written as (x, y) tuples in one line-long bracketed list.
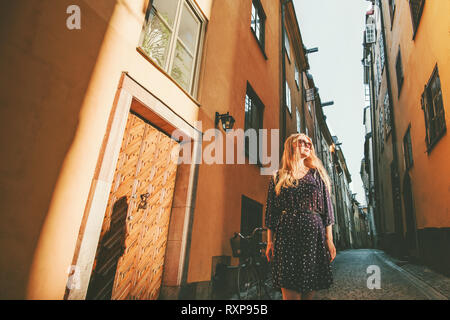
[(406, 282)]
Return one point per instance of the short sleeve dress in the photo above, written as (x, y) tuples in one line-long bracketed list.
[(301, 260)]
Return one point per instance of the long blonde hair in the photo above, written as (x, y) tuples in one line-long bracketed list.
[(290, 162)]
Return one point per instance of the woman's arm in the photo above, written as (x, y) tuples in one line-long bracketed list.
[(269, 236), (329, 233), (270, 246)]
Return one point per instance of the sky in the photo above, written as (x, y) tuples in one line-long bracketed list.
[(336, 28)]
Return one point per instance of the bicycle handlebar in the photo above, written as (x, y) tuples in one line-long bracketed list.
[(252, 234)]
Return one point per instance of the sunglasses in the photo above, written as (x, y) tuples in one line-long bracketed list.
[(304, 143)]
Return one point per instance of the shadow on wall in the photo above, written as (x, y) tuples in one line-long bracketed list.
[(111, 248), (46, 70)]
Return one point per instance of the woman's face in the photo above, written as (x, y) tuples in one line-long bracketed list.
[(303, 146)]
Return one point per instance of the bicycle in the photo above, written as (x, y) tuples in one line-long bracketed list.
[(253, 273)]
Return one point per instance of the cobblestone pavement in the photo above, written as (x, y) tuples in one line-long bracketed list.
[(398, 281)]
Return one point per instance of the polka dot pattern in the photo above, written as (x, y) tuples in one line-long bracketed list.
[(301, 257)]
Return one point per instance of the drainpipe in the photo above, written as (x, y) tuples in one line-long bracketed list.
[(303, 119)]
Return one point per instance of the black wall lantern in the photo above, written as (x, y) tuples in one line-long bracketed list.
[(227, 121)]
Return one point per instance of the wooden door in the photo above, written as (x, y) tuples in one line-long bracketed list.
[(145, 177)]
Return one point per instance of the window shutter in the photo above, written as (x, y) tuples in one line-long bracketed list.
[(425, 114)]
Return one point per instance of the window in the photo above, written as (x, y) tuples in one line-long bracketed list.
[(171, 37), (392, 11), (253, 120), (433, 108), (297, 77), (297, 113), (399, 71), (387, 114), (407, 148), (288, 98), (258, 23), (287, 44), (416, 7), (370, 33)]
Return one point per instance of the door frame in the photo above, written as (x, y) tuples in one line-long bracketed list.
[(131, 96)]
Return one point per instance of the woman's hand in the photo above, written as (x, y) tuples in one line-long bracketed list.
[(269, 251), (331, 248)]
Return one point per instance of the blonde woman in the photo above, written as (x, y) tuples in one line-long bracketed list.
[(299, 215)]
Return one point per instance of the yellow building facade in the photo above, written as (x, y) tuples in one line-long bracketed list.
[(417, 50)]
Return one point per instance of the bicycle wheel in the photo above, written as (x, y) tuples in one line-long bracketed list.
[(265, 280), (249, 285)]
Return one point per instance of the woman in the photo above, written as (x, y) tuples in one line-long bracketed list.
[(299, 215)]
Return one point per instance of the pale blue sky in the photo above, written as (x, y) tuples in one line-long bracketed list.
[(336, 27)]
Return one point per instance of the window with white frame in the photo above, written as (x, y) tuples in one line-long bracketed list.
[(287, 45), (258, 22), (297, 77), (288, 98), (297, 114), (171, 38), (370, 33)]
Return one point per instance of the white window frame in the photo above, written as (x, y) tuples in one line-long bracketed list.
[(167, 68), (287, 45), (288, 98)]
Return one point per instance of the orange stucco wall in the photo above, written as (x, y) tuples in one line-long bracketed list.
[(430, 172), (233, 57), (58, 88)]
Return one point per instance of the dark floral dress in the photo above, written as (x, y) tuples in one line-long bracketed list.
[(301, 260)]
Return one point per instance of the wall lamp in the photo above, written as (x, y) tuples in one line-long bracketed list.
[(226, 119)]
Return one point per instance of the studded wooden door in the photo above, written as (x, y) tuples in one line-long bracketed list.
[(145, 175)]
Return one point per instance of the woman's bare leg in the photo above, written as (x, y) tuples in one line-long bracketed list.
[(290, 294), (308, 295)]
